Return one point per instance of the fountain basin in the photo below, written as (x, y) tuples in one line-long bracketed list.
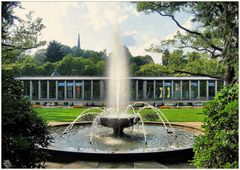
[(131, 147), (118, 123)]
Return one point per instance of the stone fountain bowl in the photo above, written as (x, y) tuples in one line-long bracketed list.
[(118, 123), (65, 148)]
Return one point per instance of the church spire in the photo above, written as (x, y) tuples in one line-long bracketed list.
[(78, 43)]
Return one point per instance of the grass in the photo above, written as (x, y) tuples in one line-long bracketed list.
[(69, 114)]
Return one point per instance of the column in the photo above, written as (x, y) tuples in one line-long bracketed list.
[(190, 90), (74, 89), (39, 89), (101, 89), (163, 89), (180, 89), (154, 90), (198, 89), (207, 89), (136, 89), (144, 89), (83, 90), (47, 89), (216, 84), (172, 89), (91, 89), (65, 90), (56, 90), (30, 90)]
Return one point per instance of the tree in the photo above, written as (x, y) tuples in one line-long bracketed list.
[(217, 37), (54, 51), (152, 70), (40, 57), (18, 35), (23, 132), (218, 147)]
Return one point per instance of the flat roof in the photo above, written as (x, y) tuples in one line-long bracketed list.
[(104, 78)]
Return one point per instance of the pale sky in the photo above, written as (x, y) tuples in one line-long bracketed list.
[(95, 20)]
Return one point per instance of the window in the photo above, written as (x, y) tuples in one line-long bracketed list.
[(26, 88), (140, 90), (203, 88), (149, 91), (176, 90), (35, 90), (78, 89), (61, 86), (43, 89), (167, 88), (211, 89), (96, 90), (185, 90), (87, 90), (194, 90), (159, 89), (133, 89), (70, 89), (52, 89)]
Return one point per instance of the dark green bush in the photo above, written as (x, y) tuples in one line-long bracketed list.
[(23, 132), (149, 115), (218, 147)]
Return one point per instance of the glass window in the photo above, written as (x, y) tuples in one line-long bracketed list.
[(219, 85), (35, 90), (52, 89), (194, 89), (149, 92), (211, 89), (176, 90), (203, 92), (96, 90), (140, 90), (26, 88), (61, 86), (185, 90), (44, 89), (78, 89), (87, 90), (159, 89), (69, 89), (133, 90), (167, 88)]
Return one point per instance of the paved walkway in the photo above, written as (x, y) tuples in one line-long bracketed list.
[(121, 165)]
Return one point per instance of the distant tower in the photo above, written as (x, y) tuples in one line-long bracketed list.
[(78, 43)]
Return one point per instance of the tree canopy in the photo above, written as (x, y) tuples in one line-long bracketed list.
[(216, 37)]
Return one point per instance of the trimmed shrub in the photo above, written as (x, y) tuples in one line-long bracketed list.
[(218, 147)]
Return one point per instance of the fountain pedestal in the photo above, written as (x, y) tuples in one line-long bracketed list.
[(118, 123)]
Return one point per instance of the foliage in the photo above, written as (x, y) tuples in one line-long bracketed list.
[(40, 57), (152, 70), (218, 147), (54, 51), (218, 37), (18, 34), (150, 115), (23, 132)]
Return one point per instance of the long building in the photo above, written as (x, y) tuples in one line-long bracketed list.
[(75, 90)]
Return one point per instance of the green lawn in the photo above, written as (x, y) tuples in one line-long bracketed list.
[(69, 114)]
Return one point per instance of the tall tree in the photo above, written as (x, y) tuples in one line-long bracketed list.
[(54, 51), (18, 35), (216, 35)]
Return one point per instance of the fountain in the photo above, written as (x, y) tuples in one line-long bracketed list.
[(118, 132)]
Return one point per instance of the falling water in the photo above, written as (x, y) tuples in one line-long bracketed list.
[(118, 84)]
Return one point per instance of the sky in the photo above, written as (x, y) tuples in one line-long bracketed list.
[(95, 22)]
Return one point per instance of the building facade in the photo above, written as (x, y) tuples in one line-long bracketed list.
[(70, 90)]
